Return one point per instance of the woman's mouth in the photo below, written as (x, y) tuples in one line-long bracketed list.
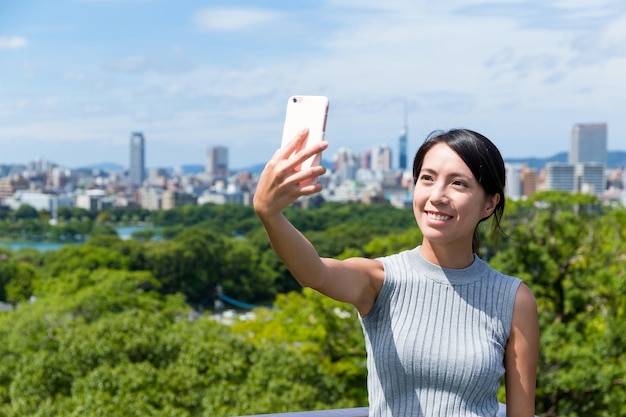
[(438, 216)]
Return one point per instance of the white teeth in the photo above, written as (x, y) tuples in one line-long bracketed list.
[(438, 216)]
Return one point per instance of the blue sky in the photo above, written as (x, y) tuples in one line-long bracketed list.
[(78, 76)]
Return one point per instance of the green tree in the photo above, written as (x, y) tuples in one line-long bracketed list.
[(26, 212), (327, 331), (89, 257), (106, 342), (566, 249), (102, 230)]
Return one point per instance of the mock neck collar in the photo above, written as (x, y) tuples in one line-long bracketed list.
[(462, 276)]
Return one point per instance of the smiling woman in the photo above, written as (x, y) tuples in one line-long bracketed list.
[(449, 167), (441, 327)]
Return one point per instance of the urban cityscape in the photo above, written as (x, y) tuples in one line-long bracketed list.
[(369, 177)]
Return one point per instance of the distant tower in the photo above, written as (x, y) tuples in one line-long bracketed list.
[(588, 144), (137, 167), (402, 143), (217, 162)]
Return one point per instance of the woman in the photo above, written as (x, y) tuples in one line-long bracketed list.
[(441, 327)]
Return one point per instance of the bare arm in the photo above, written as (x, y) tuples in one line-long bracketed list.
[(357, 280), (521, 355)]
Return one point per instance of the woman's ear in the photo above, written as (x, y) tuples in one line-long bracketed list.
[(492, 202)]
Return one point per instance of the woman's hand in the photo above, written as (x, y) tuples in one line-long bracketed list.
[(281, 182)]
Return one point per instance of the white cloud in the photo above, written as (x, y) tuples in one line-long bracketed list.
[(614, 35), (233, 19), (504, 67), (13, 42), (74, 76), (129, 64)]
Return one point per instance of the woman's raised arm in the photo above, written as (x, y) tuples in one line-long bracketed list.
[(356, 281)]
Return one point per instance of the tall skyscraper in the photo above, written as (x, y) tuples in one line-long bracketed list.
[(589, 153), (588, 144), (137, 169), (402, 143), (217, 162)]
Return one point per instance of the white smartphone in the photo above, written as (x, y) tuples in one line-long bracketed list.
[(306, 112)]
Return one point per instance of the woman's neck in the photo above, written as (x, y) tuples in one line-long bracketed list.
[(449, 255)]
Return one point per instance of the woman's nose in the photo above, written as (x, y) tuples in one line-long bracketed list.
[(438, 194)]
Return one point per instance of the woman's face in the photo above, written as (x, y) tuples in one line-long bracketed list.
[(448, 201)]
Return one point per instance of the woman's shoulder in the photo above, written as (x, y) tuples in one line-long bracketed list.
[(498, 275), (407, 255)]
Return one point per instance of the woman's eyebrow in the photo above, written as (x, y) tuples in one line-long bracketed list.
[(453, 174)]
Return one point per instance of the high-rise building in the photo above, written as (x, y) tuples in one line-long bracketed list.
[(589, 152), (9, 185), (591, 178), (346, 163), (158, 177), (137, 169), (381, 158), (366, 159), (588, 144), (560, 177), (529, 180), (217, 162), (513, 187), (402, 143), (402, 158)]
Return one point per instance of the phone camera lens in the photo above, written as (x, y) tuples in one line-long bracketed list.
[(295, 100)]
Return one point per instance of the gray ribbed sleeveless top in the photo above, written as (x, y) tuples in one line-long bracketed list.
[(435, 338)]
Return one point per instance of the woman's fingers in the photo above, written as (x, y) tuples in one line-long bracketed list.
[(296, 152), (283, 181), (305, 176), (294, 145)]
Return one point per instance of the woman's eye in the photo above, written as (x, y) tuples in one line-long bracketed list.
[(426, 178)]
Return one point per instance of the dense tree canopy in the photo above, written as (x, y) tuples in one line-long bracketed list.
[(570, 251), (126, 328)]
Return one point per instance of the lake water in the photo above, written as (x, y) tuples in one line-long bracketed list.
[(124, 232)]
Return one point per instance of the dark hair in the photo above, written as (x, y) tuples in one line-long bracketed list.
[(483, 159)]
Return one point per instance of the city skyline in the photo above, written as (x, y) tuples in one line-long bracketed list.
[(202, 162), (80, 75)]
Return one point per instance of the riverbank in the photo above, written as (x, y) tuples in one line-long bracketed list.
[(124, 232)]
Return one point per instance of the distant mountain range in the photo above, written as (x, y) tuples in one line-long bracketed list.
[(616, 159), (113, 167)]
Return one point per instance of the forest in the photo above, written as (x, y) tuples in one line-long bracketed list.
[(114, 327)]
